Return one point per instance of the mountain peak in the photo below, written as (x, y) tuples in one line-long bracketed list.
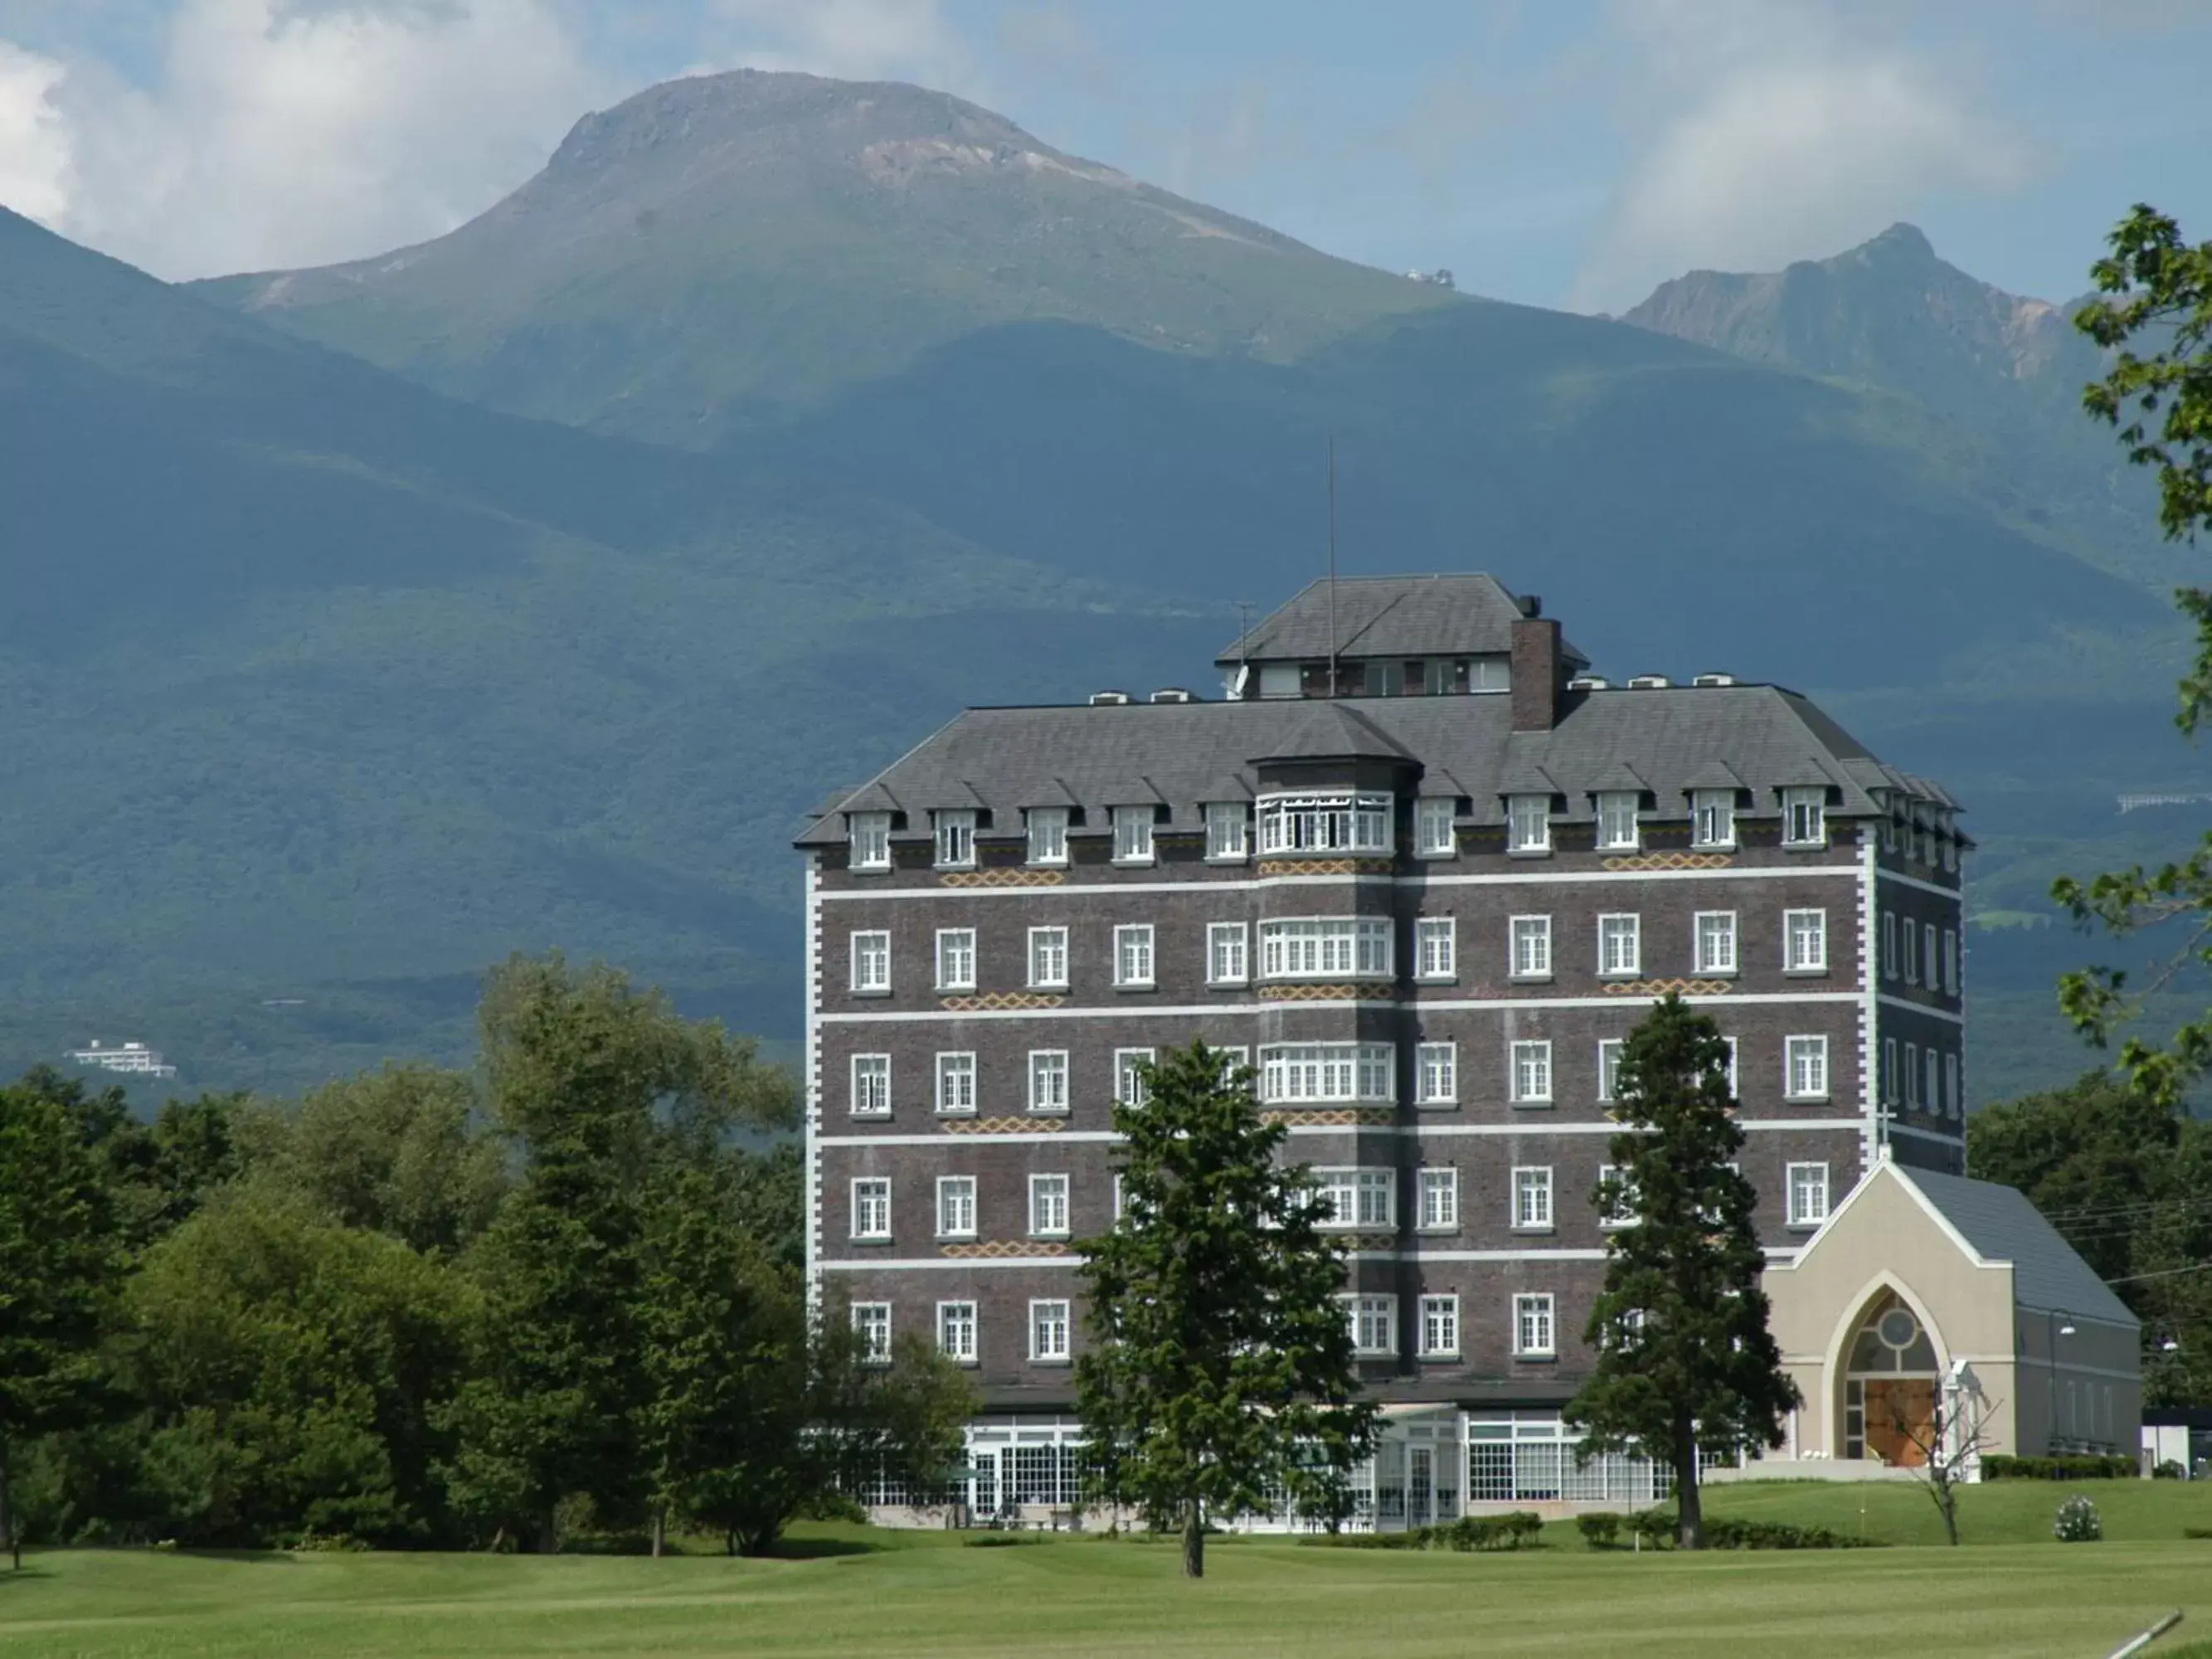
[(1900, 239)]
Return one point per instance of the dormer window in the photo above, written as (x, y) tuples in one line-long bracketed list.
[(1712, 817), (955, 839), (1047, 828), (1133, 835), (1434, 837), (870, 844), (1616, 820), (1805, 817), (1335, 821), (1528, 824), (1228, 832)]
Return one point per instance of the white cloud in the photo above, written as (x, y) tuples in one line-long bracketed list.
[(276, 133), (34, 143), (1761, 144)]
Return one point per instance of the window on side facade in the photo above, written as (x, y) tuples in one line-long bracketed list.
[(956, 958), (1049, 1330), (1616, 821), (871, 1323), (1130, 1066), (1889, 1084), (1439, 1198), (1619, 1211), (1712, 817), (1805, 941), (1532, 1073), (1532, 1326), (955, 1084), (1373, 1321), (1929, 970), (1439, 1328), (871, 962), (1715, 942), (1805, 817), (1434, 837), (1912, 1072), (1048, 1081), (1620, 945), (1436, 953), (956, 1332), (871, 1085), (1950, 963), (1806, 1062), (1531, 956), (1133, 835), (1436, 1074), (1048, 958), (1047, 1207), (1951, 1103), (1808, 1194), (871, 1208), (955, 839), (956, 1206), (1132, 957), (1531, 1198), (1227, 953), (1609, 1068), (1228, 834), (1048, 835), (1931, 1064), (1528, 823), (1889, 944), (868, 846)]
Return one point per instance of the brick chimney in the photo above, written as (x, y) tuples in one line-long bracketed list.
[(1535, 668)]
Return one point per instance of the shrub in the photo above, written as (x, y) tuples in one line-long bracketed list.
[(1514, 1531), (2169, 1470), (1999, 1467), (1729, 1533), (1600, 1530), (2196, 1532), (2078, 1522), (1654, 1527)]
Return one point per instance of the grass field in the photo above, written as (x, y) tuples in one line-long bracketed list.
[(851, 1590)]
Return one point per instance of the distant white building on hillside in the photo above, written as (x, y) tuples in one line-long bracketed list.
[(133, 1057)]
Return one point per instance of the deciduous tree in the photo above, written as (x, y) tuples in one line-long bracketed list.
[(1685, 1362), (1220, 1377)]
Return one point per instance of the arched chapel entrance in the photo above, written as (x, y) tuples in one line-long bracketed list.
[(1891, 1381)]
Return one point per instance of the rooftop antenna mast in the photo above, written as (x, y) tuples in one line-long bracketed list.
[(1332, 564)]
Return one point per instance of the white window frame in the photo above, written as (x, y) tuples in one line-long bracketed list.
[(1228, 953), (1047, 1190), (1611, 1221), (1805, 808), (953, 837), (870, 1209), (1528, 824), (1326, 821), (1617, 808), (956, 958), (1133, 835), (1049, 1088), (1228, 832), (1436, 834), (1712, 818), (1330, 949), (1329, 1073), (1129, 1088), (1369, 1190), (872, 1321), (1051, 1331), (1440, 1328), (1437, 1189), (1048, 952), (1436, 948), (1952, 1107), (1046, 832), (1436, 1073), (1805, 1056), (1801, 1213), (1609, 1051), (1535, 1326), (868, 842), (1528, 1071), (959, 1336), (1928, 959), (1801, 924), (1135, 968), (1708, 962), (1931, 1072), (1950, 962), (872, 948), (1612, 926), (956, 1098), (956, 1206), (1909, 955), (864, 1074), (1529, 947), (1889, 944), (1374, 1323), (1531, 1199), (1891, 1089)]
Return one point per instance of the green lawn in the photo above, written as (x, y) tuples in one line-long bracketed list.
[(877, 1593)]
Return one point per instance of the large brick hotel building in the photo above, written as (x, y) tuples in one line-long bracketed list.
[(1425, 870)]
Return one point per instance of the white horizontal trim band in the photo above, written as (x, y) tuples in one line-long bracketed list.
[(1535, 1125), (1019, 1137), (1135, 1010), (913, 1263), (1889, 1001), (1529, 877), (1940, 1138), (1903, 880)]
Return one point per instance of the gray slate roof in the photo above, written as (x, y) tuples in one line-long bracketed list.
[(1190, 753), (2002, 1226), (1440, 616)]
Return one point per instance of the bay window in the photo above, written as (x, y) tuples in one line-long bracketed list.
[(1326, 1074), (1326, 947), (1333, 821)]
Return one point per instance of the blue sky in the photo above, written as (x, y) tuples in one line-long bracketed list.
[(1566, 154)]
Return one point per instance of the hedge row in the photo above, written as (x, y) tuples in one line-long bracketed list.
[(2117, 1468), (1656, 1528), (1515, 1529)]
